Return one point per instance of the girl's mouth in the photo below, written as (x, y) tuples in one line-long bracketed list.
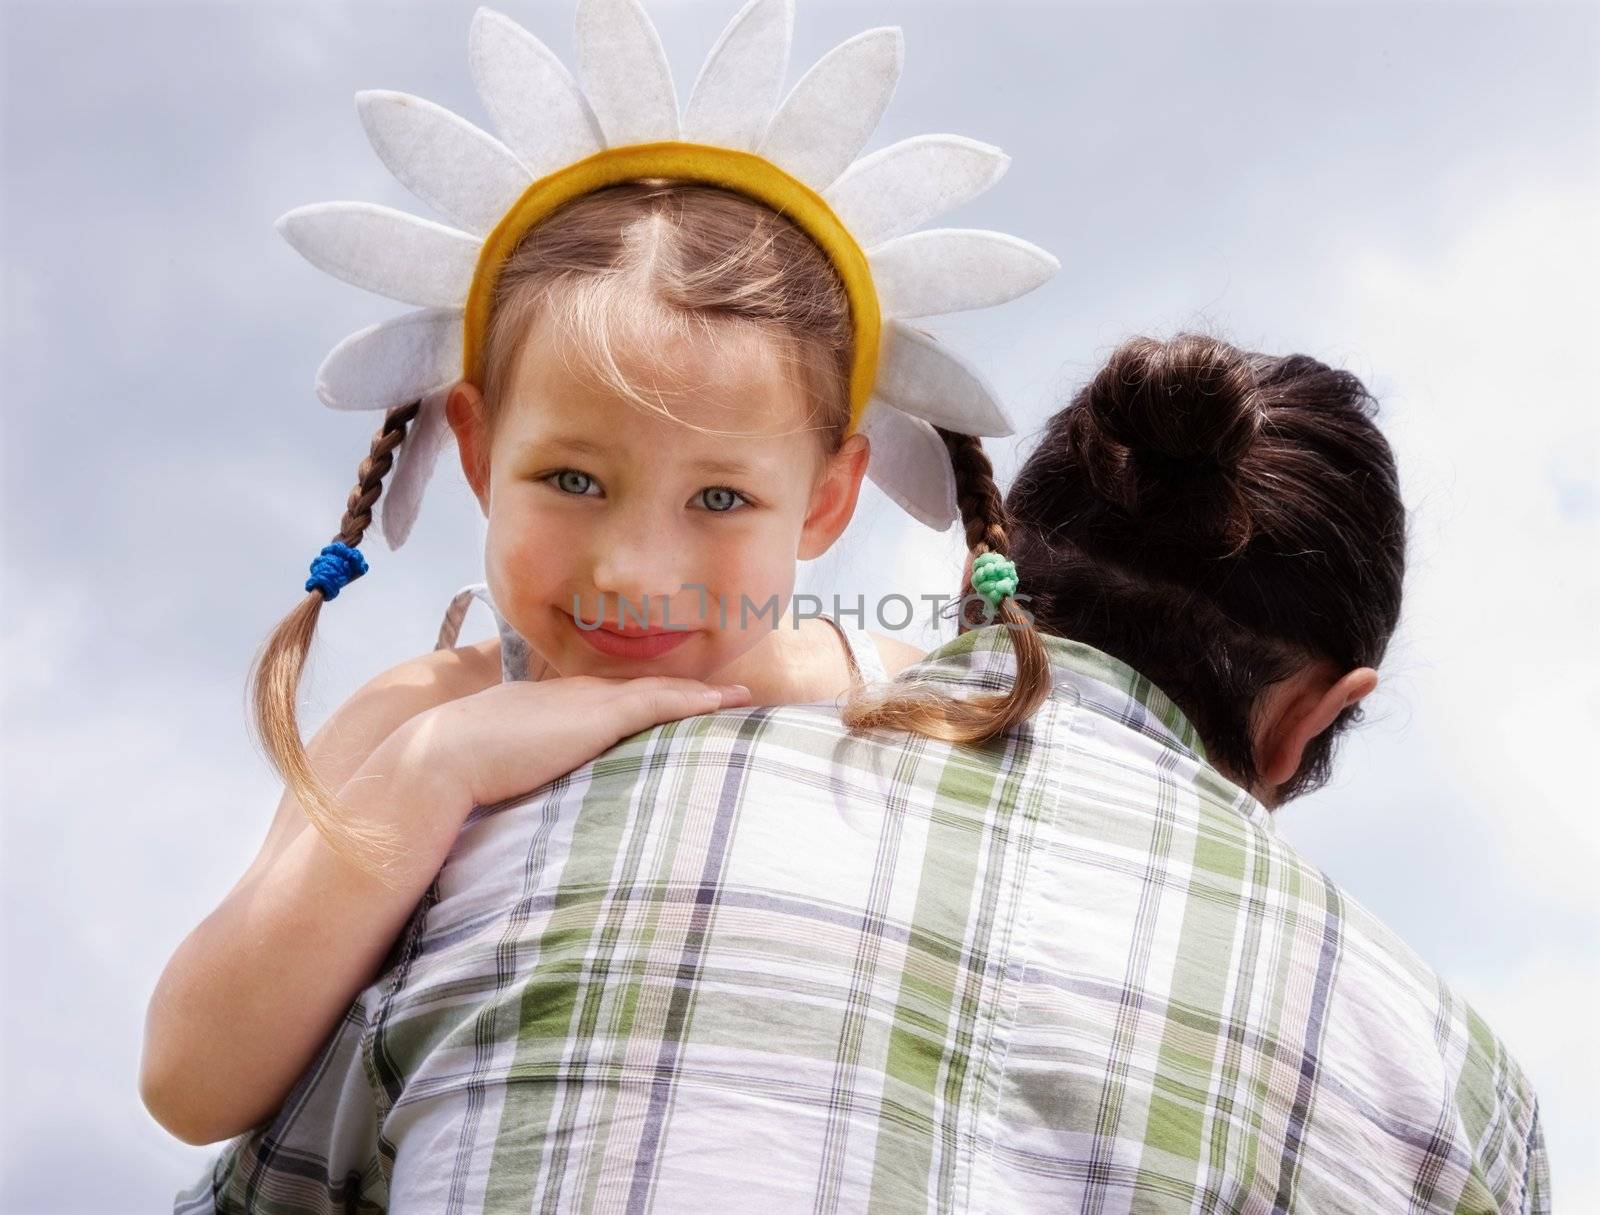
[(635, 644)]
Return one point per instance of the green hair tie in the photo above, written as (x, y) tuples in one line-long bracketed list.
[(994, 577)]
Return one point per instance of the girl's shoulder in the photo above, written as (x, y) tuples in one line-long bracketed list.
[(896, 654), (426, 681), (463, 670), (430, 679)]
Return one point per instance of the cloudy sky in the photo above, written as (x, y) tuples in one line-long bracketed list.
[(1408, 191)]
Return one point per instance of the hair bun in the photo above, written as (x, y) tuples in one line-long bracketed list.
[(1189, 401), (1170, 423)]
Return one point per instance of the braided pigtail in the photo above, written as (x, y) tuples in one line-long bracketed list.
[(976, 719), (280, 663)]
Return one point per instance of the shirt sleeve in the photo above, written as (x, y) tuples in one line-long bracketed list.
[(323, 1153), (319, 1155), (1536, 1179)]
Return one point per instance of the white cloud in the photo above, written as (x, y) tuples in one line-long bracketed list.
[(1485, 346)]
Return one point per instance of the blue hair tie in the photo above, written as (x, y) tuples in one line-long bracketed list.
[(337, 565)]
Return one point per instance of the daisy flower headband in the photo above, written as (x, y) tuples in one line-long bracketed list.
[(796, 153)]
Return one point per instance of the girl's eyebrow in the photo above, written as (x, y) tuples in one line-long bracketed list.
[(560, 442), (722, 467), (727, 468)]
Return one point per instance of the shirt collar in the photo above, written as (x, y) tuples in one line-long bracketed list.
[(1079, 673)]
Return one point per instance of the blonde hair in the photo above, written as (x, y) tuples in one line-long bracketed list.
[(927, 710), (630, 261)]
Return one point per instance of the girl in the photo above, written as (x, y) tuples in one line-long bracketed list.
[(658, 438), (670, 328)]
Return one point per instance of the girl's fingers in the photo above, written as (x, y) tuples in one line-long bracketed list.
[(727, 695), (671, 699)]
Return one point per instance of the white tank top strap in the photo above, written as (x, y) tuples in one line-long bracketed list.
[(863, 652), (514, 650)]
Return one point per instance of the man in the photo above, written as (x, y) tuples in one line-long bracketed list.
[(749, 961)]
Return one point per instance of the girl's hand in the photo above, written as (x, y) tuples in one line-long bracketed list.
[(511, 738), (251, 993)]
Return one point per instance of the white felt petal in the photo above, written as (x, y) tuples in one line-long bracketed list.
[(393, 362), (910, 464), (955, 269), (466, 174), (397, 255), (919, 376), (903, 186), (833, 109), (625, 73), (739, 86), (413, 467), (536, 104)]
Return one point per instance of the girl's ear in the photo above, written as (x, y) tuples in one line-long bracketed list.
[(468, 417), (833, 500)]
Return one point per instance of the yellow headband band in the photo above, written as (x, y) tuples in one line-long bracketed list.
[(742, 172)]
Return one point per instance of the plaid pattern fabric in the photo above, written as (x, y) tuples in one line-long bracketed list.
[(748, 961)]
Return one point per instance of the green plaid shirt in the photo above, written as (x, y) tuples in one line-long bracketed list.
[(748, 961)]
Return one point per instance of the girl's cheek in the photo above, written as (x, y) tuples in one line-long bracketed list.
[(530, 556), (758, 598), (756, 566), (528, 527)]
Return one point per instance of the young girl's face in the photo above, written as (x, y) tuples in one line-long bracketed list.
[(681, 544)]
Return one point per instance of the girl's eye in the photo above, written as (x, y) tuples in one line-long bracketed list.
[(571, 481), (721, 499)]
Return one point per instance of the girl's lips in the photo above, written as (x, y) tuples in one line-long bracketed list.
[(636, 646)]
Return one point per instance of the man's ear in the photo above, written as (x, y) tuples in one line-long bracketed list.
[(1306, 713), (469, 418), (833, 499)]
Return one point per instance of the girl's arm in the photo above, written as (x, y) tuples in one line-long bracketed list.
[(254, 991), (251, 994), (175, 1036)]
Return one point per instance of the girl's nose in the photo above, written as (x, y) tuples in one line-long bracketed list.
[(639, 564)]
